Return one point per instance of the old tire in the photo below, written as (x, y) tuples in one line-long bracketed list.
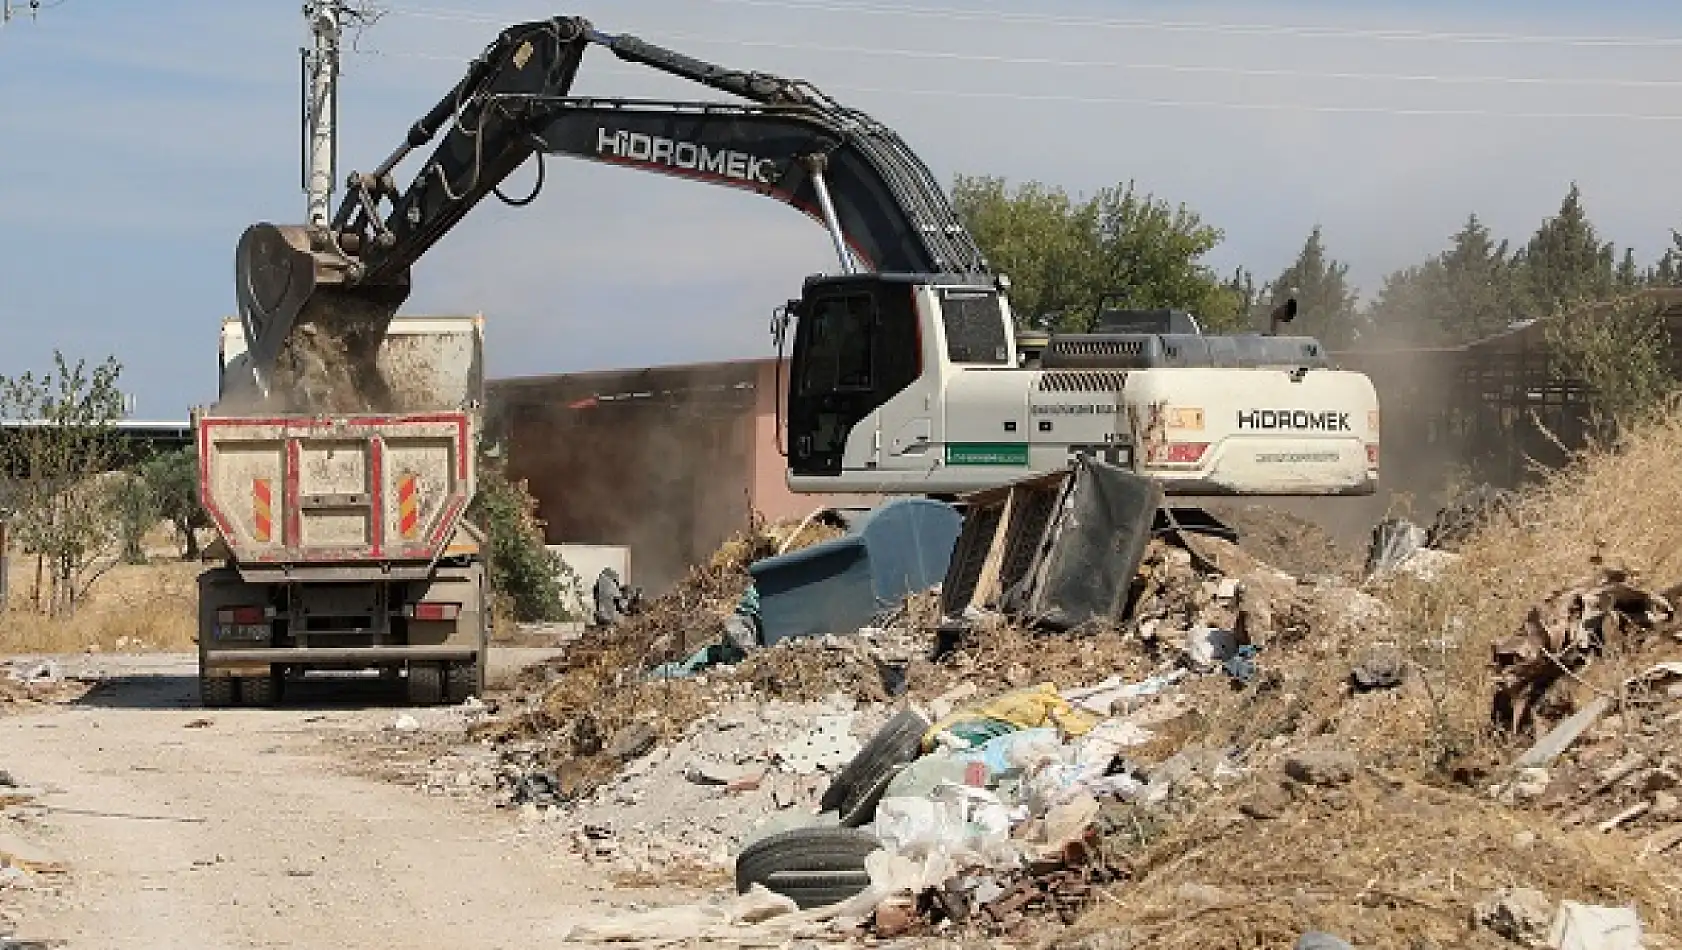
[(898, 741), (860, 810), (216, 692), (814, 867), (461, 681), (426, 684), (259, 690)]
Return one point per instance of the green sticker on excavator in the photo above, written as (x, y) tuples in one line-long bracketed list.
[(987, 453)]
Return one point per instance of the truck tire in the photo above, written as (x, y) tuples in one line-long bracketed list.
[(898, 742), (814, 867), (259, 690), (461, 681), (426, 684), (216, 692)]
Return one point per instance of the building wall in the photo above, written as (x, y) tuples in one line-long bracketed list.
[(670, 473), (666, 477)]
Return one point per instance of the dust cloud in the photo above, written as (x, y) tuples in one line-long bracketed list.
[(666, 472)]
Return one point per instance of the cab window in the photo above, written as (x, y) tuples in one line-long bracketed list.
[(975, 327), (839, 336)]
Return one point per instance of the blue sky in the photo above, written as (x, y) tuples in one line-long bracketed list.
[(140, 138)]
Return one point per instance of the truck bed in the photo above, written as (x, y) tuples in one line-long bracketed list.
[(356, 489)]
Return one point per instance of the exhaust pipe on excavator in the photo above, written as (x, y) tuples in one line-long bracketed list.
[(1282, 314), (287, 276)]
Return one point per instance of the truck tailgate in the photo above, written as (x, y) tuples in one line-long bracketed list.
[(303, 490)]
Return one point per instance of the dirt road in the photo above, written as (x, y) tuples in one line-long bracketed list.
[(243, 832)]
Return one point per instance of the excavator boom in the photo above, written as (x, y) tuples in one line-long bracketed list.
[(881, 204)]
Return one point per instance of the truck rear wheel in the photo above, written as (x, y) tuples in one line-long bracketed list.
[(259, 690), (216, 692), (462, 682), (426, 684)]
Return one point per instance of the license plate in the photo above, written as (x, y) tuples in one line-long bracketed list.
[(243, 631)]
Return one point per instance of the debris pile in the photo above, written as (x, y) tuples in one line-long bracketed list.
[(38, 682), (690, 802), (1472, 747)]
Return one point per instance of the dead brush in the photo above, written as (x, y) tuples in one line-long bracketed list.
[(134, 608), (1382, 862), (1619, 502), (599, 686)]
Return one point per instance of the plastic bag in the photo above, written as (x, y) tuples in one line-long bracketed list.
[(1033, 708)]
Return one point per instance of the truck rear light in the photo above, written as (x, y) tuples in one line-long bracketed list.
[(1186, 453), (241, 615), (1372, 455), (1372, 420), (432, 610)]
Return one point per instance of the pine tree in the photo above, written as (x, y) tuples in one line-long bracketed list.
[(1325, 301), (1482, 295), (1565, 261)]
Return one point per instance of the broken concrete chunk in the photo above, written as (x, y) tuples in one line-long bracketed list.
[(1379, 667), (1322, 767), (1520, 914), (1207, 647), (1530, 784), (632, 742)]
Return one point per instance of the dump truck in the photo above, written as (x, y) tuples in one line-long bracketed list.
[(341, 536)]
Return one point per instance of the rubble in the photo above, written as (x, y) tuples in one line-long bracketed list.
[(1519, 914), (1321, 767), (1244, 758), (693, 801)]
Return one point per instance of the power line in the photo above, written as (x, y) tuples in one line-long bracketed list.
[(1144, 101), (1175, 26), (1182, 68), (1203, 26)]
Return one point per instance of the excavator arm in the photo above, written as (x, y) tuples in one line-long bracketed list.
[(881, 204)]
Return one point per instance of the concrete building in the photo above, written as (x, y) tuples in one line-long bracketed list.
[(667, 460)]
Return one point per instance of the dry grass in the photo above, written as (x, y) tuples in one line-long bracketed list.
[(1623, 505), (1385, 864), (134, 608), (1399, 858)]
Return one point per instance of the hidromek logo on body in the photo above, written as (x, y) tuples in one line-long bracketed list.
[(1325, 421), (725, 163)]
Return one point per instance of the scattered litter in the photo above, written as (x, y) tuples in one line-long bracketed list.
[(1520, 914), (1589, 927)]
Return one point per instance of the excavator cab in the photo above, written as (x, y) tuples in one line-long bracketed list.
[(873, 352), (856, 345)]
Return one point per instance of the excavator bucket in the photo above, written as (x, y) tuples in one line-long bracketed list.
[(291, 292)]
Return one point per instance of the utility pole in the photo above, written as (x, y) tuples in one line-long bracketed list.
[(321, 102), (10, 9)]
